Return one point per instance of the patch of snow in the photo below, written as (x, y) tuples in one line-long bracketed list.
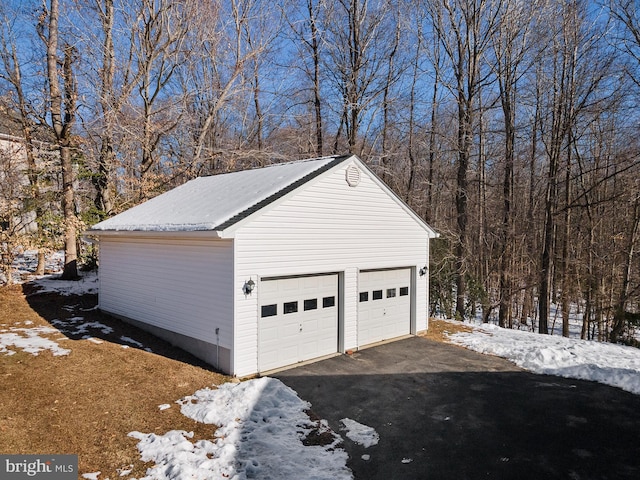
[(30, 340), (407, 460), (91, 476), (26, 261), (131, 341), (261, 426), (359, 433), (77, 326), (164, 406), (366, 457), (125, 471), (88, 283), (607, 363), (175, 456)]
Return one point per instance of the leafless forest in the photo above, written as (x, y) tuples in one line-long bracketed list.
[(512, 127)]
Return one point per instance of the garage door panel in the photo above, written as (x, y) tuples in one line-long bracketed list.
[(384, 309), (300, 327), (269, 334), (309, 347)]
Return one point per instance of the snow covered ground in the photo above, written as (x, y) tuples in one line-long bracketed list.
[(26, 262), (88, 283), (30, 339), (359, 433), (262, 423), (614, 365)]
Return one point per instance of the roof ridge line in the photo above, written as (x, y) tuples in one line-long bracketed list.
[(280, 193)]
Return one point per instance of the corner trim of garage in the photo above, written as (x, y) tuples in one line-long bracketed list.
[(413, 323)]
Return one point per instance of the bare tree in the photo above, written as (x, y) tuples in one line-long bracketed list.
[(160, 29), (110, 101), (392, 68), (627, 38), (305, 22), (14, 219), (576, 70), (620, 316), (356, 55), (512, 46), (12, 73), (464, 29), (223, 67), (62, 109)]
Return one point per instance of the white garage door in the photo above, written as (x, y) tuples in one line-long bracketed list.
[(298, 319), (384, 307)]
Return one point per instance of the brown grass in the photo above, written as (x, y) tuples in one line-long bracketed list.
[(439, 330), (87, 402)]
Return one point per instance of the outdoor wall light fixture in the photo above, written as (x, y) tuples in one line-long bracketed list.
[(423, 271), (248, 287)]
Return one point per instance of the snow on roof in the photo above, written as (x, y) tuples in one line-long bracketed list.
[(207, 203)]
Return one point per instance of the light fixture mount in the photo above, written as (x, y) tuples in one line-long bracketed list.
[(248, 286)]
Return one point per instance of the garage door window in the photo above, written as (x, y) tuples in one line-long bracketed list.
[(297, 328), (269, 310), (290, 307), (328, 302), (364, 296), (388, 314)]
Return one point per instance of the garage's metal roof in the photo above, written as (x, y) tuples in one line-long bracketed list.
[(218, 201)]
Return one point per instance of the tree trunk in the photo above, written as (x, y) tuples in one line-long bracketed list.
[(62, 124), (461, 200), (504, 314), (317, 103), (41, 263), (70, 271), (386, 177), (546, 264), (102, 181), (565, 297), (619, 318), (429, 214)]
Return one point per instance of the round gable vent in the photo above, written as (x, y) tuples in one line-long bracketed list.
[(352, 175)]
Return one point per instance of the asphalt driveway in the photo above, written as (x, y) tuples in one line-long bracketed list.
[(444, 412)]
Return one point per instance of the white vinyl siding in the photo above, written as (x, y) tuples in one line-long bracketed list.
[(326, 226), (180, 285)]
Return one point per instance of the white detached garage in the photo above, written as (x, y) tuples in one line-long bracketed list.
[(261, 269)]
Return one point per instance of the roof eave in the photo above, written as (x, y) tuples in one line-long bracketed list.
[(153, 233)]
